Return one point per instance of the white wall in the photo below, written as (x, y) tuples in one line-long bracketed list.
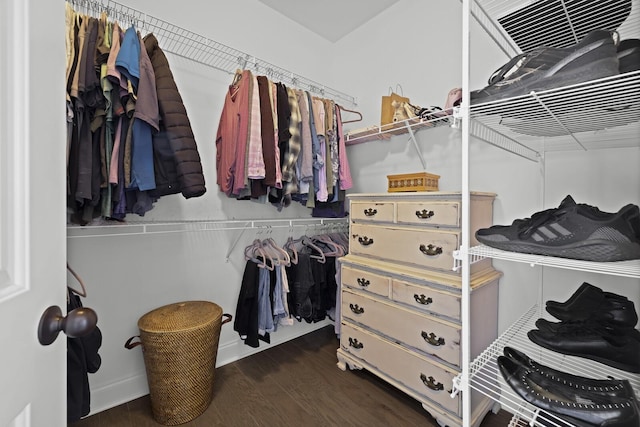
[(415, 43)]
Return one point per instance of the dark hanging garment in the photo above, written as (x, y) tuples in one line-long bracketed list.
[(82, 359), (175, 123), (300, 278), (246, 320)]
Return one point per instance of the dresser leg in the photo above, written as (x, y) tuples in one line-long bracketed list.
[(344, 362)]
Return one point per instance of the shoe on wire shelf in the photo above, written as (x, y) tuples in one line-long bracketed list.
[(575, 231), (594, 57)]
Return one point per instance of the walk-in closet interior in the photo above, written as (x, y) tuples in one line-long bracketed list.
[(497, 160)]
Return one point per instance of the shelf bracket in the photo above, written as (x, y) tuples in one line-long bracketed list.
[(458, 258), (238, 237), (458, 385), (532, 423), (535, 96), (412, 136)]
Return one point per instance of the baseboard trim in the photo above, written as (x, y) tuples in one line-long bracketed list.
[(127, 389), (118, 392)]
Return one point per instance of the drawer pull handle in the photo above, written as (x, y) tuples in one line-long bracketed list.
[(365, 241), (430, 250), (431, 383), (424, 214), (353, 342), (432, 339), (370, 212), (356, 308), (363, 282), (422, 299)]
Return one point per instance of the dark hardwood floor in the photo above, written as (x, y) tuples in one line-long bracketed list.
[(293, 384)]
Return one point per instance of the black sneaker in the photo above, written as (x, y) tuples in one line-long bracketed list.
[(576, 231), (592, 58)]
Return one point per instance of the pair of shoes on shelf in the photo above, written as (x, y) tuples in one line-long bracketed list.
[(594, 324), (570, 400), (575, 231), (593, 57), (615, 347), (590, 303)]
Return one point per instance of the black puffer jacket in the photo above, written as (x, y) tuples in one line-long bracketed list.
[(175, 131)]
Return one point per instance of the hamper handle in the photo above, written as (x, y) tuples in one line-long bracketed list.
[(227, 319), (129, 345)]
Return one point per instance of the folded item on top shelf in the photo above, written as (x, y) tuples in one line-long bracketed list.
[(575, 231)]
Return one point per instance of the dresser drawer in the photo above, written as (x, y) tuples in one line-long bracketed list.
[(426, 299), (428, 248), (372, 211), (432, 213), (416, 372), (416, 330), (360, 279)]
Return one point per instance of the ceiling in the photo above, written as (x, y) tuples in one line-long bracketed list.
[(331, 19)]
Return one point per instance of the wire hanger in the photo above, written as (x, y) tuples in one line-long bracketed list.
[(350, 111), (75, 275)]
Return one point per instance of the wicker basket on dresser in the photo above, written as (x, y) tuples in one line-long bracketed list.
[(400, 308)]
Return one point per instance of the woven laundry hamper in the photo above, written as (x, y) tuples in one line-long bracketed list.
[(180, 345)]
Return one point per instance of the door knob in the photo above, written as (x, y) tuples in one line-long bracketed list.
[(77, 323)]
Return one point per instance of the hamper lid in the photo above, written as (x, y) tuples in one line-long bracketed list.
[(180, 316)]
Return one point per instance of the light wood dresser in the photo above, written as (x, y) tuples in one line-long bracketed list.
[(400, 299)]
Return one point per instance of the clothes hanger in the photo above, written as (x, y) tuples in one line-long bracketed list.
[(250, 254), (82, 293), (275, 253), (284, 257), (289, 246), (236, 77), (343, 239), (332, 247), (270, 249), (341, 108), (320, 254)]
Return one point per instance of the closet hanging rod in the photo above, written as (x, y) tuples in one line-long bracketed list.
[(166, 227), (186, 44), (341, 224)]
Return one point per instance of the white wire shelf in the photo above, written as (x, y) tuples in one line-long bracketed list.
[(385, 132), (568, 118), (599, 114), (194, 47), (519, 26), (620, 268), (104, 228), (485, 377)]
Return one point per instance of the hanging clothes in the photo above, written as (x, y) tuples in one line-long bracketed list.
[(310, 159), (280, 285), (232, 134), (129, 140)]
